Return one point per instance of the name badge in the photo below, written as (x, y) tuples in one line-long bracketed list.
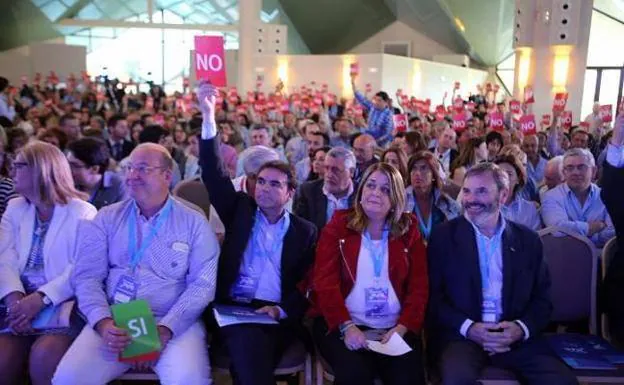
[(376, 302), (491, 309), (244, 289), (126, 290), (180, 246)]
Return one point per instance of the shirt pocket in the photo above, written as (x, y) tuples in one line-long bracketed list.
[(169, 257)]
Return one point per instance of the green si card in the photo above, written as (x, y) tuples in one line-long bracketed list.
[(136, 317)]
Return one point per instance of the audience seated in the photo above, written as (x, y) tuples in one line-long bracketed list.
[(317, 200), (536, 164), (89, 162), (364, 150), (267, 253), (38, 237), (516, 208), (576, 204), (471, 327), (397, 158), (425, 197), (444, 150), (553, 175), (173, 268), (370, 281)]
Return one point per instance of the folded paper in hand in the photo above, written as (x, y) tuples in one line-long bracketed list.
[(396, 346), (233, 315)]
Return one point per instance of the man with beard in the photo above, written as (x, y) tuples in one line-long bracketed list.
[(489, 290)]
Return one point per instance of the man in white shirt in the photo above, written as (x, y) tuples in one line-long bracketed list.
[(444, 150), (151, 247), (489, 290)]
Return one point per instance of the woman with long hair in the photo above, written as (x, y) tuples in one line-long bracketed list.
[(474, 151), (370, 282), (38, 237)]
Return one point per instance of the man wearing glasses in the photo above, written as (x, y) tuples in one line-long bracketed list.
[(576, 204), (151, 247), (266, 255)]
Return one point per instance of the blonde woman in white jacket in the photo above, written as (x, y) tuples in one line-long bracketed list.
[(38, 237)]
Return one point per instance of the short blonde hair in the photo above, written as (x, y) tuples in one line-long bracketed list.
[(51, 176), (398, 220)]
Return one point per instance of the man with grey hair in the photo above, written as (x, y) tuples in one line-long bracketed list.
[(576, 204), (317, 200), (499, 321), (150, 247), (553, 175)]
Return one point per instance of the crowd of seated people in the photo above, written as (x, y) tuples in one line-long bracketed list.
[(320, 212)]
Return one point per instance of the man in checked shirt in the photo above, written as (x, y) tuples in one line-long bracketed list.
[(380, 124), (151, 247)]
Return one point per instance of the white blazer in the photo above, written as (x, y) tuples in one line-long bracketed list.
[(16, 232)]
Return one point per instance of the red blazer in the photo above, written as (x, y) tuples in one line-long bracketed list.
[(335, 270)]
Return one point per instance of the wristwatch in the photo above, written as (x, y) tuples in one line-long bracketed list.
[(46, 300)]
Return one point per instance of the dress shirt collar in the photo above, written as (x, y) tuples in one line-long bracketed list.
[(263, 221), (592, 192), (500, 227), (153, 217), (333, 198)]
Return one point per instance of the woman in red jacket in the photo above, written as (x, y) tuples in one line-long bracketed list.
[(370, 281)]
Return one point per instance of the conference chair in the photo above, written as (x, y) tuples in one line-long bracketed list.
[(194, 191), (572, 261)]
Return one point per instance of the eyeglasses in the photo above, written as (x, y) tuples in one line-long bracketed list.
[(578, 167), (272, 183), (140, 169), (18, 165)]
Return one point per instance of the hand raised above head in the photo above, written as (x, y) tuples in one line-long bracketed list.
[(207, 97)]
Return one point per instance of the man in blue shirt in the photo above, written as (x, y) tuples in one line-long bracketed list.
[(576, 204), (380, 124), (536, 165), (489, 291)]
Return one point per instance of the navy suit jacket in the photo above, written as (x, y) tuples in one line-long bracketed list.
[(237, 210), (455, 280), (311, 202), (613, 287)]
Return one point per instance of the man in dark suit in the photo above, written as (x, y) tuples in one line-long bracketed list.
[(612, 186), (489, 291), (265, 256), (118, 131), (317, 200), (443, 150)]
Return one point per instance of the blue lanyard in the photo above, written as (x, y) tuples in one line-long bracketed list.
[(424, 228), (137, 254), (377, 253), (259, 247), (485, 256)]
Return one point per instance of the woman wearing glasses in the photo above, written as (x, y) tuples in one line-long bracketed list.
[(38, 236), (370, 282)]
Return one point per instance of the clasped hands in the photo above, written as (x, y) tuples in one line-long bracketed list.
[(21, 310), (115, 340), (495, 338), (355, 339)]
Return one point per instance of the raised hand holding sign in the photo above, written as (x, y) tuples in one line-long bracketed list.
[(210, 60)]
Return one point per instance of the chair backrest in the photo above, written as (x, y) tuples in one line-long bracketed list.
[(192, 206), (194, 191), (572, 261)]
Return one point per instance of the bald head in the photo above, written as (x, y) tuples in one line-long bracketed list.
[(157, 151), (364, 148), (530, 145)]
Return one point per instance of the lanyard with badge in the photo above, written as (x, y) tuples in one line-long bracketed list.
[(127, 286), (376, 296), (246, 285), (492, 306), (425, 228)]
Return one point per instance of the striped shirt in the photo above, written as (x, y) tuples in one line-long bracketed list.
[(7, 192), (380, 123), (176, 276)]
